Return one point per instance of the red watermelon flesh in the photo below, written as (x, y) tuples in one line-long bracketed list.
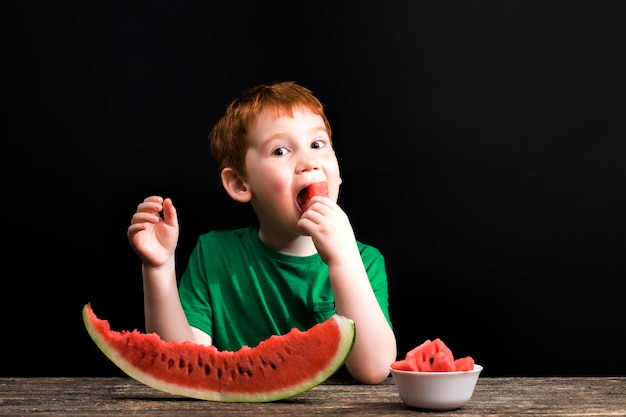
[(404, 365), (464, 364), (277, 368), (433, 356), (317, 188)]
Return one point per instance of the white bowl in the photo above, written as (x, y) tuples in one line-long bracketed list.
[(436, 390)]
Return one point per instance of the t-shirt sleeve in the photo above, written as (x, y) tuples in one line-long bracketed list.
[(374, 263)]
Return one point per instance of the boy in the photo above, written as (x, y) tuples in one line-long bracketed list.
[(295, 269)]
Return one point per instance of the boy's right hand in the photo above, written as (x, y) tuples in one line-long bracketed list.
[(154, 238)]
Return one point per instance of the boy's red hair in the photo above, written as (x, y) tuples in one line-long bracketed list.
[(228, 137)]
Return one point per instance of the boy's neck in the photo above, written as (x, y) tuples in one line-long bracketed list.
[(296, 245)]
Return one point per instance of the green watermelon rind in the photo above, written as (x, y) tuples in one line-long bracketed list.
[(347, 331)]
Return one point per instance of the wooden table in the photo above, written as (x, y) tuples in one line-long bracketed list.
[(568, 396)]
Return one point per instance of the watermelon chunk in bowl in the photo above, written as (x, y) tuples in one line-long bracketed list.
[(430, 378)]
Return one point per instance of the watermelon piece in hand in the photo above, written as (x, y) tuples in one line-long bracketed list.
[(305, 196)]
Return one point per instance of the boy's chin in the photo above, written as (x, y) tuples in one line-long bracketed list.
[(303, 232)]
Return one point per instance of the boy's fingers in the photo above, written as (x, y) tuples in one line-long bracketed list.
[(169, 212)]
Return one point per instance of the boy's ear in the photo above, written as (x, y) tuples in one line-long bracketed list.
[(235, 185)]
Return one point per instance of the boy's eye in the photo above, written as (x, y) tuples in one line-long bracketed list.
[(317, 144), (279, 151)]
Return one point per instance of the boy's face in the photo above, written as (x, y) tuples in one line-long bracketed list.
[(285, 155)]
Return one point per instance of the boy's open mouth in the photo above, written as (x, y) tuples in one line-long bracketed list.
[(301, 197)]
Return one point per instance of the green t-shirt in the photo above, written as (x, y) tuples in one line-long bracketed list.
[(240, 291)]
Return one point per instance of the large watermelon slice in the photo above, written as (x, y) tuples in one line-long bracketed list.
[(433, 356), (277, 368)]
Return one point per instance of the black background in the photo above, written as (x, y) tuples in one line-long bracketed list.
[(482, 145)]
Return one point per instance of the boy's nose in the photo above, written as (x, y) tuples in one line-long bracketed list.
[(308, 164)]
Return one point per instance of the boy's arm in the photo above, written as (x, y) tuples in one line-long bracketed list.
[(375, 345), (163, 310), (154, 240)]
